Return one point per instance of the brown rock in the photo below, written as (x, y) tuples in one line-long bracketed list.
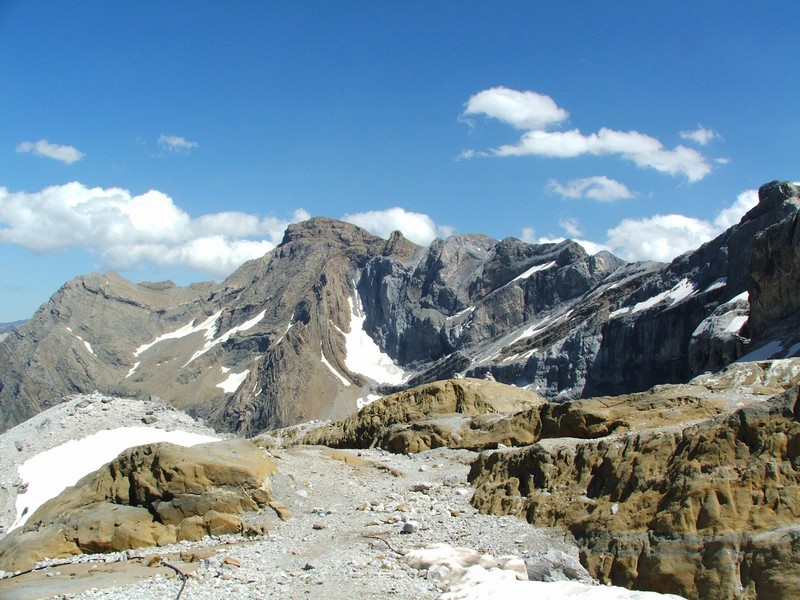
[(707, 510), (150, 495)]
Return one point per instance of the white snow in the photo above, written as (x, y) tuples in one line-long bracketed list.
[(133, 368), (288, 327), (234, 380), (535, 269), (736, 324), (721, 282), (49, 472), (210, 343), (363, 354), (209, 325), (465, 574), (367, 400), (86, 344), (338, 375), (460, 313), (743, 296), (541, 326), (683, 289)]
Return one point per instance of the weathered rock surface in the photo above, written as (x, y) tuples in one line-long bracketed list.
[(457, 413), (335, 315), (149, 495), (706, 508)]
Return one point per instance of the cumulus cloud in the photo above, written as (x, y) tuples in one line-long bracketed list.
[(417, 227), (176, 143), (534, 113), (66, 154), (728, 217), (571, 226), (134, 231), (522, 110), (663, 237), (600, 188), (701, 135), (660, 237)]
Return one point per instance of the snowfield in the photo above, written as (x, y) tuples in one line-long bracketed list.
[(48, 473)]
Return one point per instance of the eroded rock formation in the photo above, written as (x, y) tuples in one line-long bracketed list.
[(701, 506), (150, 495)]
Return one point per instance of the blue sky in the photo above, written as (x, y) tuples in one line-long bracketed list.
[(176, 140)]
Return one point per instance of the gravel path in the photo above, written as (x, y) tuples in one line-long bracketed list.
[(351, 511)]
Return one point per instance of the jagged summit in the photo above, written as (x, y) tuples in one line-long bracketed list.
[(335, 316)]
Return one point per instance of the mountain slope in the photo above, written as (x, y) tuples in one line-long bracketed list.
[(334, 316)]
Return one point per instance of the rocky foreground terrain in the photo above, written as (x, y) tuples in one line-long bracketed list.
[(335, 524), (689, 490)]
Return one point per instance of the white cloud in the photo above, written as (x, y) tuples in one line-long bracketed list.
[(134, 231), (534, 112), (728, 217), (660, 237), (417, 227), (571, 226), (663, 237), (528, 235), (701, 135), (176, 143), (66, 154), (522, 110), (600, 188)]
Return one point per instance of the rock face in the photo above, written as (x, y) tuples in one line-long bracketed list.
[(334, 316), (149, 495), (701, 507), (458, 413)]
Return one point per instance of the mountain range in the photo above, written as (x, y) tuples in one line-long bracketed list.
[(335, 317)]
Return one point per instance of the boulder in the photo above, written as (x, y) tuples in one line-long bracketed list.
[(456, 413), (149, 495)]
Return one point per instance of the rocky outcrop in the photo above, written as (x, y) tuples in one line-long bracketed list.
[(704, 508), (335, 316), (775, 272), (150, 495), (458, 413)]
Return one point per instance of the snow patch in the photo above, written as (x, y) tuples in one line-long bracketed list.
[(535, 269), (683, 289), (541, 326), (338, 375), (721, 282), (736, 324), (209, 326), (469, 309), (234, 380), (48, 473), (283, 335), (86, 344), (363, 354), (210, 343), (465, 574), (367, 400)]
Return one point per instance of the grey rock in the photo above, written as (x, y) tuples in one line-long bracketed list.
[(555, 565)]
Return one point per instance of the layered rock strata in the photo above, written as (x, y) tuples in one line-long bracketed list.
[(708, 508)]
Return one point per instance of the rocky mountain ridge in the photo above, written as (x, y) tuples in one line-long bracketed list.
[(334, 317)]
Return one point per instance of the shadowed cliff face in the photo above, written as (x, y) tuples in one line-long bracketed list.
[(334, 316)]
